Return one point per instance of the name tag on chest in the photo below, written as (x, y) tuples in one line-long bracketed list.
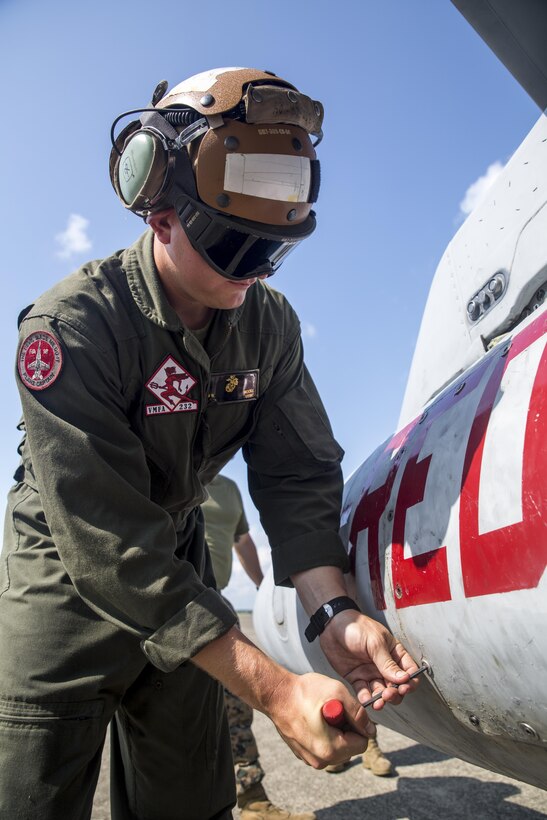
[(236, 385)]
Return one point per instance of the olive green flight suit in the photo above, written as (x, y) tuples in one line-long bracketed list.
[(106, 590)]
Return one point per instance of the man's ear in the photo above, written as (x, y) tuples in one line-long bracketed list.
[(161, 223)]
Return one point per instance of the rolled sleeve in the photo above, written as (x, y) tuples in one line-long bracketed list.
[(203, 620), (304, 552)]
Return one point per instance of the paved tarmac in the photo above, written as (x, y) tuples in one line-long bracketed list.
[(427, 784)]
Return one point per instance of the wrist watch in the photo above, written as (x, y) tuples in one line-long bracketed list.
[(326, 613)]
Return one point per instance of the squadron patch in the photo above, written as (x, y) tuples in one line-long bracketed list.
[(234, 386), (40, 360), (170, 384)]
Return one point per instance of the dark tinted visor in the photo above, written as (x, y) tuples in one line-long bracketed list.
[(242, 255), (238, 249)]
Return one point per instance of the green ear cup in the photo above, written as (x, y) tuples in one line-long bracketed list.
[(135, 166)]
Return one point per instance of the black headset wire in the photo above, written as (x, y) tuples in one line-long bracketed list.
[(174, 116)]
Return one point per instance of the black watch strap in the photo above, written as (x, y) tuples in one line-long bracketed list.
[(326, 613)]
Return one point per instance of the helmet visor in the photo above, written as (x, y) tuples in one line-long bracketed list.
[(238, 249)]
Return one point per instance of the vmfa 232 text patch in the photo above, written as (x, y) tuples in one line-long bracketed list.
[(40, 360), (170, 383)]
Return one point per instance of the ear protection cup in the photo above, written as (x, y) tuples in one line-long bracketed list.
[(142, 169), (140, 174)]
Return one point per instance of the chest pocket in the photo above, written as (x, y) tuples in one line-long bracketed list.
[(302, 428), (231, 387), (230, 415)]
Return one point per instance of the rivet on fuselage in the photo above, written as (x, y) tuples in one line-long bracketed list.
[(529, 730)]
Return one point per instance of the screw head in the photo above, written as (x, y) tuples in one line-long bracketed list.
[(231, 143), (223, 200), (529, 730), (473, 310), (291, 216), (495, 285), (207, 100)]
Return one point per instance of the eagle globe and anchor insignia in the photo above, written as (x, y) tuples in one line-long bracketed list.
[(170, 383)]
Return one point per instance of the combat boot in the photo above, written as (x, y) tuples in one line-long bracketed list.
[(374, 760), (255, 805)]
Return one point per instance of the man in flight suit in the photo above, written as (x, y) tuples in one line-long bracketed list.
[(108, 606)]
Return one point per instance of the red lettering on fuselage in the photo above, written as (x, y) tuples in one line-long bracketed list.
[(370, 509), (423, 578), (513, 557)]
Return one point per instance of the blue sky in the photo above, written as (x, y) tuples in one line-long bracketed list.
[(419, 116)]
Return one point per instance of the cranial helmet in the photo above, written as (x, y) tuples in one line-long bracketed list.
[(230, 150)]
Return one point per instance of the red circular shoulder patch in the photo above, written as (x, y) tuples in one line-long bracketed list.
[(40, 360)]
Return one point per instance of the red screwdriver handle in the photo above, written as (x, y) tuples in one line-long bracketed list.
[(333, 713)]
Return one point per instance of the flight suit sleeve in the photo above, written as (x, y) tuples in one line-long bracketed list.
[(295, 478), (116, 544)]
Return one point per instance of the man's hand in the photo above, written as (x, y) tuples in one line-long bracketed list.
[(359, 648), (368, 656), (295, 708), (292, 702)]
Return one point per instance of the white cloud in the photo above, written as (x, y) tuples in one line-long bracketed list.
[(478, 189), (74, 238), (309, 331)]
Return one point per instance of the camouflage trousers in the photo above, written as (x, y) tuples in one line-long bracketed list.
[(244, 748)]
